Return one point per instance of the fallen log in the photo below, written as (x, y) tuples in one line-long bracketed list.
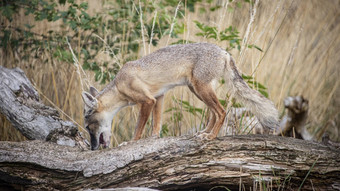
[(173, 163), (20, 103)]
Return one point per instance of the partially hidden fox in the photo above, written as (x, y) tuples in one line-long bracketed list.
[(145, 81)]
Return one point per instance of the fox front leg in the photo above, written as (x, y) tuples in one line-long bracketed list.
[(157, 116)]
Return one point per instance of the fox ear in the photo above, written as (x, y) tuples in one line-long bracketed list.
[(93, 91), (89, 100)]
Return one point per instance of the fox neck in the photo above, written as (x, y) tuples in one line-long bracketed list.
[(111, 102)]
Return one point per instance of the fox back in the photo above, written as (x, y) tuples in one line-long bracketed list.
[(175, 65)]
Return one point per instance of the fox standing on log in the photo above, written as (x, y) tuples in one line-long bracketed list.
[(145, 81)]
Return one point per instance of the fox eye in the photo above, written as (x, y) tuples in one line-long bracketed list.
[(87, 127), (89, 113)]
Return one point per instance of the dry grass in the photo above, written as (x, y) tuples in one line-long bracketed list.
[(301, 46)]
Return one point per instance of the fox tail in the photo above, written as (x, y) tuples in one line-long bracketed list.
[(259, 105)]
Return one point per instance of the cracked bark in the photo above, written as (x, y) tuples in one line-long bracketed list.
[(174, 163)]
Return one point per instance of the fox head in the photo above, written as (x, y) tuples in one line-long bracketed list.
[(97, 123)]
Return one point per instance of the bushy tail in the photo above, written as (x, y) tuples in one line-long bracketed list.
[(259, 105)]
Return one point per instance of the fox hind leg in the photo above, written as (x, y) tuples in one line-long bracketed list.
[(208, 96), (212, 118), (211, 123)]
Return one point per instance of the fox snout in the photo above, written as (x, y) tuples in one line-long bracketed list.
[(100, 139), (94, 142)]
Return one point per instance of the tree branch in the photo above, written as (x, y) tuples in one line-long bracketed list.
[(21, 105)]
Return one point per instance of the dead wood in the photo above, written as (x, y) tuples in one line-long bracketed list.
[(174, 163), (20, 103)]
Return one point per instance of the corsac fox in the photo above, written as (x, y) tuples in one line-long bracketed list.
[(145, 81)]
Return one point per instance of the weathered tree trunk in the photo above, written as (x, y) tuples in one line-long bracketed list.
[(19, 102), (174, 164)]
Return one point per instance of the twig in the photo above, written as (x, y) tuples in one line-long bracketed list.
[(70, 118), (76, 63), (173, 22), (245, 38), (271, 42), (110, 49), (308, 173), (142, 26), (153, 26)]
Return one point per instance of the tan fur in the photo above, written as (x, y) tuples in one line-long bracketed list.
[(145, 81)]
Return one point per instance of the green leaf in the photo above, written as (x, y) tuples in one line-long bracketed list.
[(5, 38), (215, 8), (62, 2), (73, 24), (263, 92), (182, 42), (84, 5), (254, 46), (246, 77), (239, 4), (63, 55), (7, 11), (56, 17), (28, 26), (256, 84), (164, 130), (98, 75), (258, 48), (224, 103), (202, 10)]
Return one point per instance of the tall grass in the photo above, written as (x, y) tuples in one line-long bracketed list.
[(301, 57)]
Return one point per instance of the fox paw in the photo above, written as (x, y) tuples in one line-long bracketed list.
[(123, 144), (155, 136), (204, 131), (205, 136)]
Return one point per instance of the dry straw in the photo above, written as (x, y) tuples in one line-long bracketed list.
[(301, 45)]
